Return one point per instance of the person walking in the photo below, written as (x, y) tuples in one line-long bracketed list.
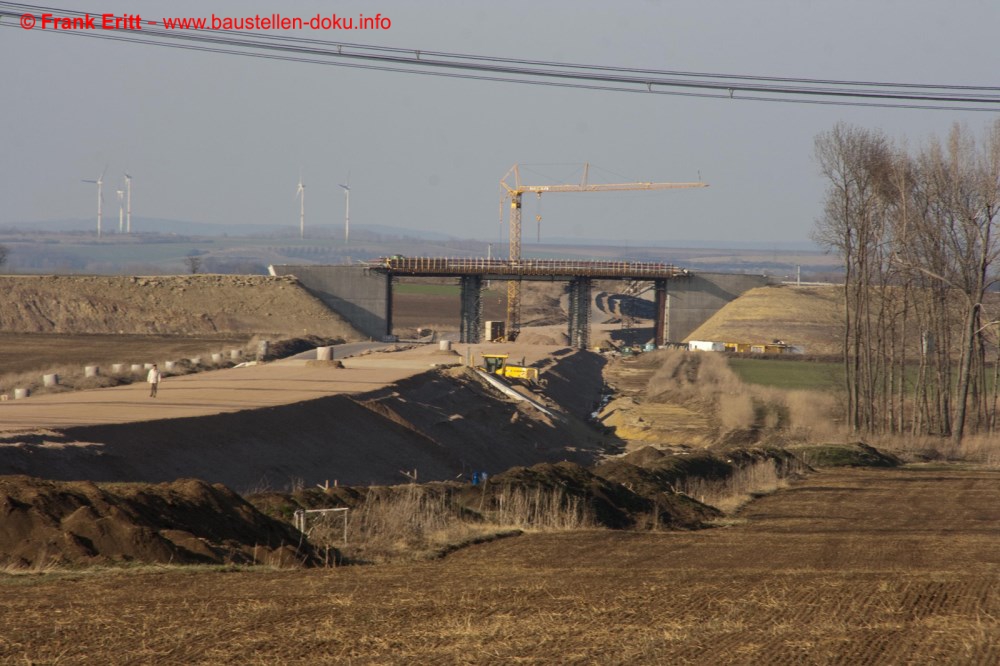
[(154, 380)]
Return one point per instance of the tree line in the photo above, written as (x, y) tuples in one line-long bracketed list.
[(916, 229)]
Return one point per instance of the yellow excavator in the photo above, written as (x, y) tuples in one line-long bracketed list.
[(496, 364)]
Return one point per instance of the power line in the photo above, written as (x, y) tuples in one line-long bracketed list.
[(580, 76)]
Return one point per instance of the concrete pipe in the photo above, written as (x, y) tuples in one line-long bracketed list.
[(444, 345), (324, 353), (235, 354), (117, 368), (50, 380), (91, 371), (147, 366), (217, 358), (136, 368), (169, 365), (20, 393), (263, 347)]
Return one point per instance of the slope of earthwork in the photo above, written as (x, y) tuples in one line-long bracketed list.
[(166, 305), (442, 423), (805, 316)]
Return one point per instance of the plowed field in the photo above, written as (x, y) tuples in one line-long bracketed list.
[(846, 567)]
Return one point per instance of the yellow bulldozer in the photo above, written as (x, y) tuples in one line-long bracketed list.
[(496, 364)]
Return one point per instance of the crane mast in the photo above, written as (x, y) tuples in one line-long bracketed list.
[(513, 189)]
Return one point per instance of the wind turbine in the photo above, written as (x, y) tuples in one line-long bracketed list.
[(128, 203), (347, 208), (121, 195), (301, 193), (100, 199)]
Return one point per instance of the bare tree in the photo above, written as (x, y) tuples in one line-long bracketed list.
[(4, 253), (918, 239), (857, 163), (193, 263)]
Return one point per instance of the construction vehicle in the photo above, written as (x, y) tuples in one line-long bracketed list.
[(496, 364)]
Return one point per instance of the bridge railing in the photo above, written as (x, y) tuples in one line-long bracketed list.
[(482, 265)]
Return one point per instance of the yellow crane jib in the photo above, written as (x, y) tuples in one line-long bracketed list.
[(513, 189)]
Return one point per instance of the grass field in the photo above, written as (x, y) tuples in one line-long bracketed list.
[(787, 374), (848, 567)]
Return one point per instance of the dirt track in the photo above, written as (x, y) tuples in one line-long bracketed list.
[(283, 423), (847, 567)]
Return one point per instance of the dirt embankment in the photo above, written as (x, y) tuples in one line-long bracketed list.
[(805, 316), (183, 522), (443, 423), (187, 305)]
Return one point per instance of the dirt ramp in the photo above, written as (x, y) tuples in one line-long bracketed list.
[(444, 424), (167, 305), (184, 522)]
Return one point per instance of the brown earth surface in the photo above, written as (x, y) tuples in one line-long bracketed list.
[(284, 423), (640, 421), (189, 305), (41, 352), (849, 566), (45, 523)]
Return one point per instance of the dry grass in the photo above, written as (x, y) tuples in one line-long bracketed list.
[(980, 449), (704, 381), (808, 316), (540, 509), (414, 522), (854, 567), (731, 493)]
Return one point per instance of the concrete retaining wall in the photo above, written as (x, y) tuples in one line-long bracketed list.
[(359, 295), (692, 300)]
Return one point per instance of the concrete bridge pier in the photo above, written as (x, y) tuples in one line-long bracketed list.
[(660, 330), (579, 312), (471, 324)]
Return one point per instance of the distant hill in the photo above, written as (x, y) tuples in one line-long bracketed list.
[(211, 229)]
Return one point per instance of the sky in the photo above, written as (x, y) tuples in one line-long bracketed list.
[(224, 139)]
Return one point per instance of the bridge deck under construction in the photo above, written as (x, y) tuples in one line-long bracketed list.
[(474, 271), (527, 269)]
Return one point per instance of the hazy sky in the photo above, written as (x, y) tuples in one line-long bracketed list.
[(215, 138)]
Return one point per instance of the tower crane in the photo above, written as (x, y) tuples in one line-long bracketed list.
[(513, 189)]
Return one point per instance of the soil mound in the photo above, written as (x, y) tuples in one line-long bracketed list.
[(169, 305), (858, 454), (608, 501), (805, 316), (184, 522)]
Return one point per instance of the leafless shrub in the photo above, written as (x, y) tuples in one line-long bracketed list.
[(539, 509), (704, 380), (415, 521)]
